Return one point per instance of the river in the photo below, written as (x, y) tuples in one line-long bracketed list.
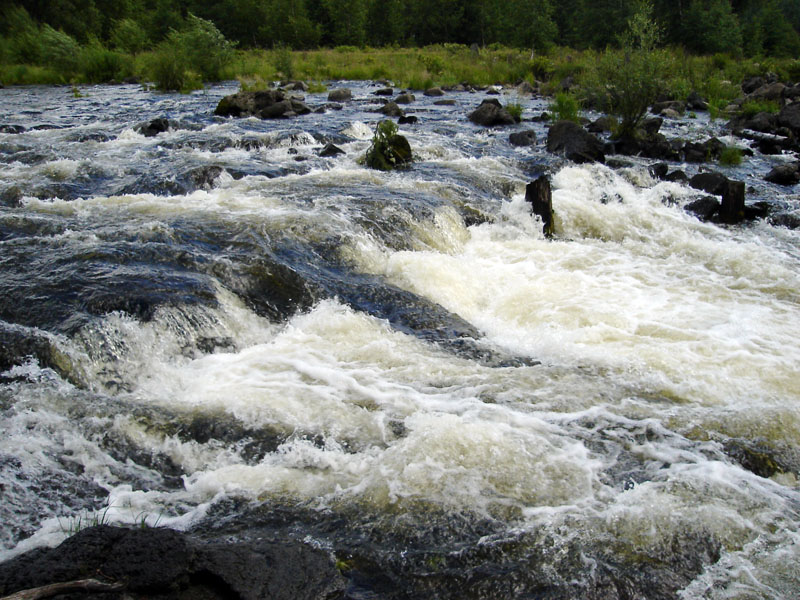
[(217, 330)]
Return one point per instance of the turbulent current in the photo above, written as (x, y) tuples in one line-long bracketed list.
[(218, 330)]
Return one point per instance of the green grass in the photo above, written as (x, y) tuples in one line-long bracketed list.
[(753, 107), (730, 156)]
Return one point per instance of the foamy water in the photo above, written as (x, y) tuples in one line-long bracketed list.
[(267, 362)]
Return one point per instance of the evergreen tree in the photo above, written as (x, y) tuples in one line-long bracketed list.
[(711, 26)]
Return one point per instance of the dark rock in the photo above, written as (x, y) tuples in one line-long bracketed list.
[(204, 177), (769, 91), (295, 86), (751, 84), (789, 117), (407, 120), (757, 210), (385, 92), (788, 220), (340, 95), (732, 209), (574, 142), (276, 110), (710, 182), (390, 109), (695, 153), (434, 91), (153, 128), (162, 563), (601, 125), (651, 126), (788, 174), (704, 208), (12, 129), (490, 113), (389, 149), (763, 121), (791, 92), (714, 148), (526, 88), (405, 98), (660, 107), (523, 138), (696, 102), (677, 176), (11, 197), (266, 104), (539, 194), (21, 342), (447, 102), (659, 171)]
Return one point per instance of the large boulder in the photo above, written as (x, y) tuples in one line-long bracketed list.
[(710, 182), (789, 117), (340, 95), (574, 142), (145, 563), (265, 104), (491, 113), (788, 174)]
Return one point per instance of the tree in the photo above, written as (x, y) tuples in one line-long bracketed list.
[(348, 21), (711, 26)]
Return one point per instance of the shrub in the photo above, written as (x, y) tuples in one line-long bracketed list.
[(753, 107), (730, 156), (515, 110), (565, 107), (389, 150), (98, 64), (58, 50), (283, 61)]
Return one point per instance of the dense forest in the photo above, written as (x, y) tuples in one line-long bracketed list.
[(738, 27)]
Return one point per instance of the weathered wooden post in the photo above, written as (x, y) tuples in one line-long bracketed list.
[(732, 210), (539, 194)]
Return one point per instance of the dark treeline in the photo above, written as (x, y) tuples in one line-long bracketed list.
[(748, 27)]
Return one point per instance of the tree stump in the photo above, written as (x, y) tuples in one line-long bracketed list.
[(539, 194)]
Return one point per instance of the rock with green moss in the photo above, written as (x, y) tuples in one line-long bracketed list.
[(389, 149)]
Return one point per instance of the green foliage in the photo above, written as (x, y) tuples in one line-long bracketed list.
[(129, 36), (565, 107), (711, 26), (730, 156), (98, 64), (389, 149), (58, 50), (626, 82), (283, 61), (186, 58), (753, 107), (515, 110)]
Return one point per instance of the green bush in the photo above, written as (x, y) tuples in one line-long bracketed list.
[(389, 150), (565, 107), (98, 64), (283, 61), (753, 107), (58, 50), (730, 156)]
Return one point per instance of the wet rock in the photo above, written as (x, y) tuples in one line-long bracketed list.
[(295, 86), (11, 197), (757, 210), (695, 153), (650, 127), (204, 177), (763, 122), (696, 102), (447, 102), (710, 182), (770, 91), (659, 108), (21, 342), (167, 564), (491, 113), (330, 150), (389, 149), (540, 196), (705, 208), (751, 84), (786, 219), (12, 129), (659, 171), (407, 120), (265, 104), (405, 98), (384, 92), (340, 95), (523, 138), (760, 458), (391, 109), (434, 92), (788, 174), (603, 124), (527, 88), (574, 142), (789, 117), (153, 128), (677, 176)]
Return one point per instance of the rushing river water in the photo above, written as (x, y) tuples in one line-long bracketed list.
[(398, 367)]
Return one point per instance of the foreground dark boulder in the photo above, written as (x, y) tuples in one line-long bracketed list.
[(491, 113), (162, 563), (265, 104), (731, 209), (574, 142)]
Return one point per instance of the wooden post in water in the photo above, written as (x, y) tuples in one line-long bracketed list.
[(539, 194), (732, 210)]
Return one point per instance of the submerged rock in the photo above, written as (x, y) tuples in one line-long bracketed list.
[(153, 128), (523, 138)]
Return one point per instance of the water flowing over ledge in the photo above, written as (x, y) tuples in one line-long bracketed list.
[(217, 330)]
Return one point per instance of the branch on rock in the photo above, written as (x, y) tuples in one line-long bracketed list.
[(54, 589)]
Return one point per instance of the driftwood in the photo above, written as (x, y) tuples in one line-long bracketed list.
[(78, 585)]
